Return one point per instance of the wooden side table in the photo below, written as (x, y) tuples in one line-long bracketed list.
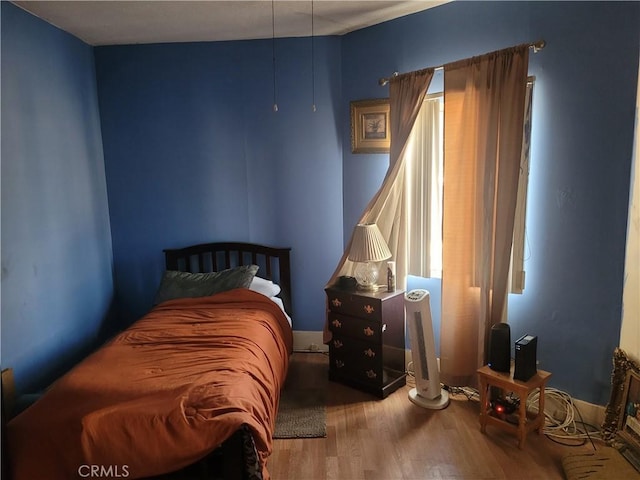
[(526, 421)]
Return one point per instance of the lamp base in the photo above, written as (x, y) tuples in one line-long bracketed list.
[(368, 288), (366, 274)]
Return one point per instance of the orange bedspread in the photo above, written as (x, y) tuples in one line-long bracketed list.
[(162, 394)]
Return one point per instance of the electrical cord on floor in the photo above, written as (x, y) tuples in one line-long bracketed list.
[(562, 425), (471, 393)]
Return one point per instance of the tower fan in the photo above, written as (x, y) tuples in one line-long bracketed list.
[(427, 393)]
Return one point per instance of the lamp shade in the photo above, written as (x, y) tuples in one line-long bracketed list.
[(368, 245)]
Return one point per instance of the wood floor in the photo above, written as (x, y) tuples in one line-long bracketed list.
[(390, 439)]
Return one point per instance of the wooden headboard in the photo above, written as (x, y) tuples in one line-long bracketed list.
[(274, 262)]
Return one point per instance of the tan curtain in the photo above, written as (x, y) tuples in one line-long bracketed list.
[(484, 110), (386, 208)]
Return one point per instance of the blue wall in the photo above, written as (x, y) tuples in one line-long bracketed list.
[(194, 153), (57, 281), (583, 118)]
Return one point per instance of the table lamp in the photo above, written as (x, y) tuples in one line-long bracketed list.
[(368, 247)]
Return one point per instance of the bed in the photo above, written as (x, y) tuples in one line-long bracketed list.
[(189, 391)]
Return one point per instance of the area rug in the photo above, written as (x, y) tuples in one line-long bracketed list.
[(605, 464), (301, 414)]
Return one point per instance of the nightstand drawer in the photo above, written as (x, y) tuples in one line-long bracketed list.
[(347, 303), (361, 353), (358, 328), (358, 360), (350, 372)]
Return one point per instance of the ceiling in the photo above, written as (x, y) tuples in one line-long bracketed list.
[(151, 21)]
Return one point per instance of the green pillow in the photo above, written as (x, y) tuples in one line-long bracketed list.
[(190, 285)]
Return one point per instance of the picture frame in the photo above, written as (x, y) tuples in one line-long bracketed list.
[(623, 368), (370, 126), (629, 422)]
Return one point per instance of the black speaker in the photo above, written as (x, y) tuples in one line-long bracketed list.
[(526, 358), (500, 348)]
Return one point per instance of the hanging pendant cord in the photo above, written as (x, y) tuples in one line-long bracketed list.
[(313, 73), (273, 50)]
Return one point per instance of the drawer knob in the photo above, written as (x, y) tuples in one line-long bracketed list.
[(336, 302), (369, 353), (368, 332), (369, 309), (338, 344), (339, 364), (371, 374), (336, 323)]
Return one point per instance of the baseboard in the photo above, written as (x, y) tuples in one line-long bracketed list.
[(308, 342), (591, 414)]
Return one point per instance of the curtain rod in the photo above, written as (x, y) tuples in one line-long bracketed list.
[(536, 46)]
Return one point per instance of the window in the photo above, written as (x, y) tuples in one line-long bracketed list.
[(424, 189)]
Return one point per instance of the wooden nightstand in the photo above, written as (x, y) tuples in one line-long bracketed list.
[(526, 421), (367, 346)]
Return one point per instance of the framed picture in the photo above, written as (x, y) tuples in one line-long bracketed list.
[(623, 368), (629, 426), (370, 131)]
